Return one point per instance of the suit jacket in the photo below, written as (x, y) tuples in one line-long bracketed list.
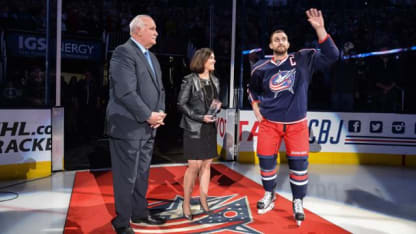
[(134, 93), (191, 102)]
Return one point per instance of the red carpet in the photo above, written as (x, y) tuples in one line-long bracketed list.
[(233, 198)]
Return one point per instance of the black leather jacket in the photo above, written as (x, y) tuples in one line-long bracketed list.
[(191, 102)]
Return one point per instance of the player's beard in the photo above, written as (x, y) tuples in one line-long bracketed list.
[(280, 51)]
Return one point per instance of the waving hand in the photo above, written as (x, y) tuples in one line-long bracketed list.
[(316, 20)]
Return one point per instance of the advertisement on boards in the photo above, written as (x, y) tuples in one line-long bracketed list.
[(346, 132), (25, 143)]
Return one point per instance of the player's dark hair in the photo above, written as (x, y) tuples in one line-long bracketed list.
[(276, 31)]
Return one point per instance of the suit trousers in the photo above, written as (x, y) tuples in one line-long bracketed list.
[(130, 161)]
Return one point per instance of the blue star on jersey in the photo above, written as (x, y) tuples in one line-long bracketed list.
[(281, 81)]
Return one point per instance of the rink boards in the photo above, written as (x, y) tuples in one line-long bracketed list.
[(25, 143), (341, 138)]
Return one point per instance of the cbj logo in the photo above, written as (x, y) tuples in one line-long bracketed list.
[(398, 127)]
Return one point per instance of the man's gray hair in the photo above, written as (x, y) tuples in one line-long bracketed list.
[(137, 22)]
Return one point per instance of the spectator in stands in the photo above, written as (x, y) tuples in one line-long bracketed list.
[(344, 76), (88, 99), (35, 92), (384, 73), (10, 94), (72, 107)]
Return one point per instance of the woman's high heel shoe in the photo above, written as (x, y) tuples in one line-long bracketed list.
[(205, 211), (188, 217)]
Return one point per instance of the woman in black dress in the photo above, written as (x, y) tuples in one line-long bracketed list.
[(198, 90)]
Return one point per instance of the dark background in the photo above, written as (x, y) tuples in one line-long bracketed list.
[(186, 25)]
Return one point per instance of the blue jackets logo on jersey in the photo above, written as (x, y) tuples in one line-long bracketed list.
[(281, 81)]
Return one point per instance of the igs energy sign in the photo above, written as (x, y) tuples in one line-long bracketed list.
[(31, 45)]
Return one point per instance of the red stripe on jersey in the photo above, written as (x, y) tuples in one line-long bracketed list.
[(323, 40)]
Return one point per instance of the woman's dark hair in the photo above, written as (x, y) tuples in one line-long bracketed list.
[(199, 59)]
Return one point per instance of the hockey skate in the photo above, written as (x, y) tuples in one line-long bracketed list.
[(298, 211), (266, 204)]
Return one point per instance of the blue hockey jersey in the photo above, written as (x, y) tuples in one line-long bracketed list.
[(281, 89)]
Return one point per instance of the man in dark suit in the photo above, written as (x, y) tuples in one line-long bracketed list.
[(135, 110)]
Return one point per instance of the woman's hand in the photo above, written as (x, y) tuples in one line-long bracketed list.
[(209, 119)]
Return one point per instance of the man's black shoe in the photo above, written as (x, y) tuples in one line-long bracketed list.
[(152, 220), (123, 230)]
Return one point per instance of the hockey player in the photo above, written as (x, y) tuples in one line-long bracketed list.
[(278, 93)]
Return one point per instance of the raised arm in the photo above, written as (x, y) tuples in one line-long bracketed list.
[(316, 20), (329, 52)]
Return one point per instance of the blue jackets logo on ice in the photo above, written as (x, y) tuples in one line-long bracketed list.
[(281, 81), (229, 214)]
